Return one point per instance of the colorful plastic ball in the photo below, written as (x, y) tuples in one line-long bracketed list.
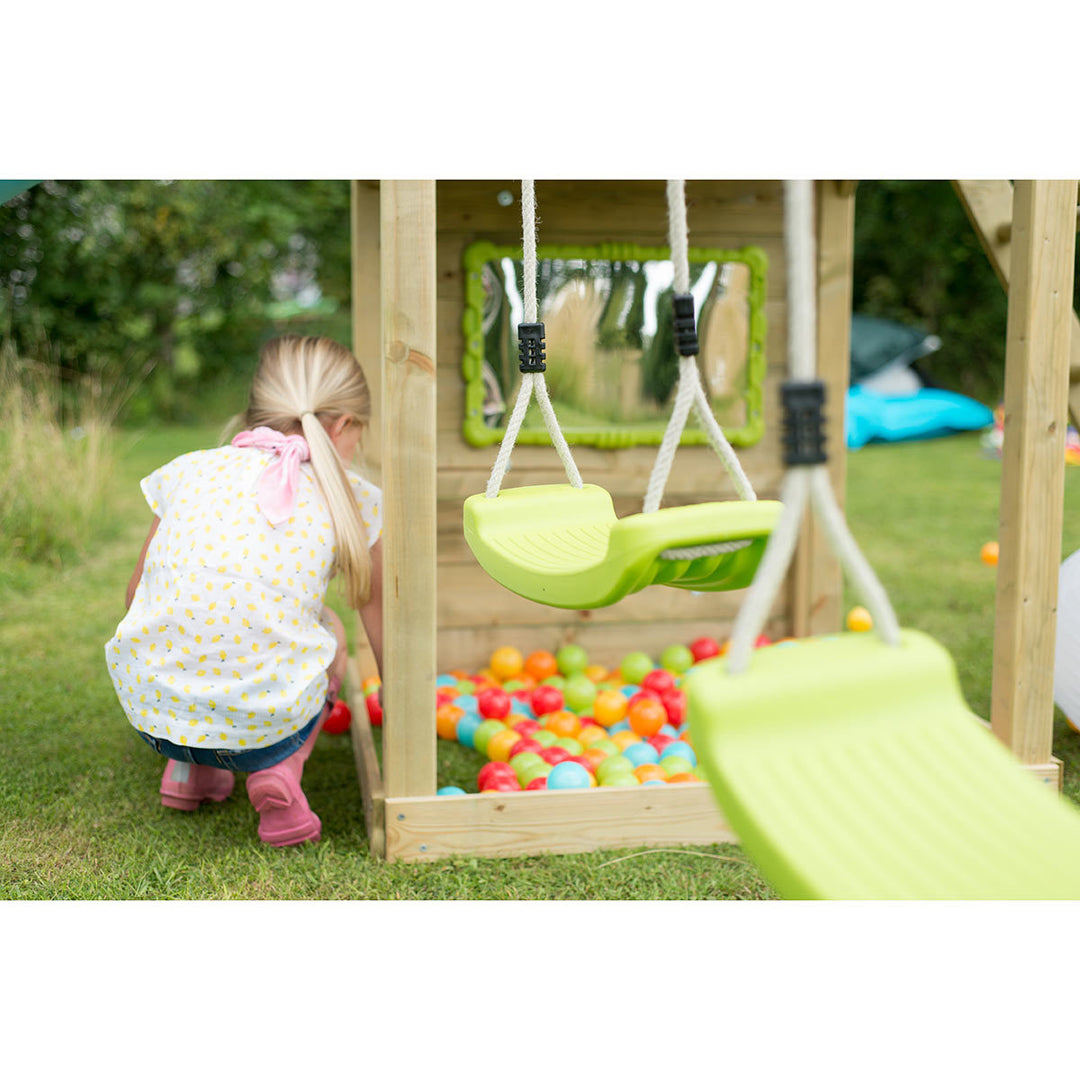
[(525, 746), (512, 684), (469, 703), (680, 748), (506, 663), (635, 666), (646, 717), (445, 697), (674, 702), (650, 771), (546, 699), (613, 766), (554, 754), (591, 757), (607, 747), (501, 783), (609, 707), (596, 672), (519, 707), (337, 723), (526, 727), (677, 658), (450, 790), (538, 783), (568, 775), (622, 725), (485, 731), (629, 690), (762, 641), (641, 753), (621, 779), (502, 743), (658, 742), (491, 770), (493, 704), (540, 769), (859, 620), (523, 760), (446, 680), (653, 783), (558, 681), (990, 553), (544, 737), (446, 718), (466, 729), (659, 681), (704, 648), (374, 709), (683, 778), (623, 739), (569, 744), (466, 686), (372, 682), (541, 664), (579, 692), (563, 722), (571, 659), (675, 763), (591, 734), (643, 695)]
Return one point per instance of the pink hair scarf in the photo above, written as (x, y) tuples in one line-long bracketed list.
[(278, 487)]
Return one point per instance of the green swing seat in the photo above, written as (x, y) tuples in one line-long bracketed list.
[(564, 546), (853, 770)]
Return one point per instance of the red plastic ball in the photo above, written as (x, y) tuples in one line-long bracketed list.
[(547, 699), (493, 703), (502, 783), (554, 754), (641, 695), (374, 709), (674, 701), (704, 648), (659, 680), (526, 727), (659, 742), (444, 697), (583, 761), (337, 723), (525, 746), (762, 641), (538, 783), (493, 770)]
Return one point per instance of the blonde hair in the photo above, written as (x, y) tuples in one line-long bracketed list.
[(299, 383)]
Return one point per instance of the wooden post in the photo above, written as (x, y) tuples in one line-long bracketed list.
[(989, 207), (1043, 240), (407, 210), (817, 581)]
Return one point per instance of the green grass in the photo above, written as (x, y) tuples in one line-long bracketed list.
[(78, 803)]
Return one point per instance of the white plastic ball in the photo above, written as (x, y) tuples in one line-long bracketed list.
[(1067, 644)]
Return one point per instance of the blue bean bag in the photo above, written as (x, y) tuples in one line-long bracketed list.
[(923, 415)]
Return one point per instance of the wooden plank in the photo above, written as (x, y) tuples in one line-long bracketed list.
[(407, 243), (989, 207), (372, 792), (1040, 323), (817, 584), (366, 344), (552, 822)]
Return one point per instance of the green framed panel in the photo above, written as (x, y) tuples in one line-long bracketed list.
[(605, 431)]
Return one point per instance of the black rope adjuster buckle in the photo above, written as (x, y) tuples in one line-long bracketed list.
[(531, 347), (686, 342), (804, 422)]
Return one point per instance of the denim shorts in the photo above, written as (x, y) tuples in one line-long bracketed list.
[(235, 760)]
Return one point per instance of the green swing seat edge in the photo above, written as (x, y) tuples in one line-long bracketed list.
[(565, 547), (852, 770)]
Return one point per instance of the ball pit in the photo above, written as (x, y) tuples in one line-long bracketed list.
[(556, 721)]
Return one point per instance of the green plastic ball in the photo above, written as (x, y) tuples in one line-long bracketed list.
[(523, 761), (544, 738), (482, 735), (579, 692), (677, 658), (572, 659), (527, 776), (555, 680), (613, 766), (635, 667), (619, 779), (609, 746), (673, 764), (571, 746)]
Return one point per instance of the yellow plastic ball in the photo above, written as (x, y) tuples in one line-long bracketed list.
[(506, 663), (501, 743), (859, 619)]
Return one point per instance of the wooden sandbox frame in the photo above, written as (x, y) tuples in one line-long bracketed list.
[(441, 610)]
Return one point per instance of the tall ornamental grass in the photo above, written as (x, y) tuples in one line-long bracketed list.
[(57, 454)]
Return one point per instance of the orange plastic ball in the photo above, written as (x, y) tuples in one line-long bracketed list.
[(990, 552), (507, 663), (650, 772), (622, 739), (592, 754), (683, 778), (596, 673), (541, 665), (527, 681), (647, 717), (590, 734), (609, 707), (446, 718), (501, 743), (563, 723)]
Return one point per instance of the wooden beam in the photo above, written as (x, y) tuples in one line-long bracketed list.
[(989, 206), (372, 791), (1040, 326), (559, 822), (817, 584), (407, 244), (366, 341)]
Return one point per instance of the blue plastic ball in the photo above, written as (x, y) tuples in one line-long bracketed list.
[(450, 790), (622, 725), (445, 680), (629, 691), (466, 702), (684, 750), (567, 775), (641, 753), (667, 729), (466, 729), (655, 783), (522, 708)]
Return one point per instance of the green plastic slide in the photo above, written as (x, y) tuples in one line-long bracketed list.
[(564, 546), (851, 770)]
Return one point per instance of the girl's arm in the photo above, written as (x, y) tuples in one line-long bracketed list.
[(133, 584), (371, 612)]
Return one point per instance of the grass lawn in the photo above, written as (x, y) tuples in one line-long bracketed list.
[(79, 812)]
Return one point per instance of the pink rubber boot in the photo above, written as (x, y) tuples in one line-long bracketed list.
[(284, 815), (186, 787)]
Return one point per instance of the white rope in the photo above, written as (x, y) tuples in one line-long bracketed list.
[(531, 382), (804, 483)]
